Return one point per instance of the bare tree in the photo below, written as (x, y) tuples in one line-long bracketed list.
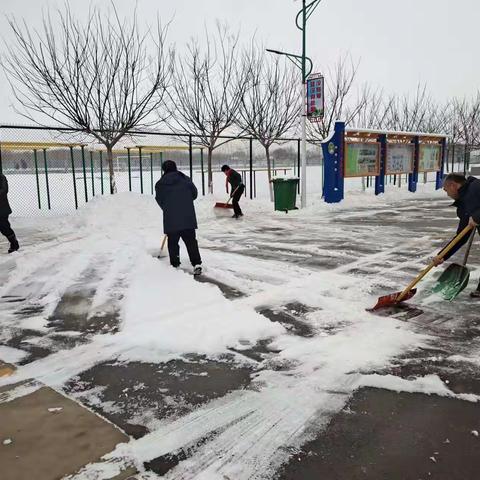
[(373, 109), (104, 77), (209, 86), (467, 123), (408, 114), (270, 106)]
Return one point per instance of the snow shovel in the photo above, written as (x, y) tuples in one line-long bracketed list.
[(227, 204), (455, 278), (409, 291)]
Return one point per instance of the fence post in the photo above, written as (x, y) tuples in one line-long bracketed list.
[(74, 179), (46, 177), (101, 170), (84, 173), (203, 174), (190, 156), (92, 172), (129, 170), (36, 176), (141, 168), (151, 173), (251, 167)]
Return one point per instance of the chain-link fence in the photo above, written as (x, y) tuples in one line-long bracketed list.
[(59, 170)]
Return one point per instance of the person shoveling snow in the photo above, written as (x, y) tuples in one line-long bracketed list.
[(235, 181), (466, 195), (175, 193)]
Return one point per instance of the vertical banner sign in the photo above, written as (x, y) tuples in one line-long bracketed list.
[(400, 158), (430, 156), (362, 159), (315, 97)]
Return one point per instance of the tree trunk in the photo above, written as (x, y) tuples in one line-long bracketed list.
[(465, 159), (210, 173), (269, 172), (113, 185)]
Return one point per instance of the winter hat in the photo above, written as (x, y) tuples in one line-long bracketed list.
[(169, 166), (225, 168)]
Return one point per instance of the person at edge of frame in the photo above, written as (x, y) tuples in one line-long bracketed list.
[(466, 195), (5, 211)]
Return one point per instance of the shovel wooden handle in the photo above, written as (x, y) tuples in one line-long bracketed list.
[(442, 253), (233, 193), (163, 242)]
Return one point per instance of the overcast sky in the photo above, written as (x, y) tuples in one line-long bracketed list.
[(399, 43)]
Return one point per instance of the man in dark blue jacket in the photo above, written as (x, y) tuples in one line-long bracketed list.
[(466, 195), (175, 193), (5, 211)]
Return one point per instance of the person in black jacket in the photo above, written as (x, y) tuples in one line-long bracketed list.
[(175, 193), (5, 211), (237, 187), (466, 195)]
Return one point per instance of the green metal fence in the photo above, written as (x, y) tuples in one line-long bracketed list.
[(59, 169)]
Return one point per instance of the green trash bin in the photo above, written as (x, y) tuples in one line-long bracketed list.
[(285, 193)]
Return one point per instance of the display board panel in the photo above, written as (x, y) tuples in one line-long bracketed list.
[(430, 158), (361, 159), (400, 158)]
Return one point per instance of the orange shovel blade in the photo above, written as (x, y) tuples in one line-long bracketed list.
[(390, 300), (223, 205)]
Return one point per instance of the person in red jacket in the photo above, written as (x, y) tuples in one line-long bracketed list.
[(237, 189)]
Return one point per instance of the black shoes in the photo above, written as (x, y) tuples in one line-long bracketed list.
[(475, 294), (235, 215), (14, 246), (197, 270)]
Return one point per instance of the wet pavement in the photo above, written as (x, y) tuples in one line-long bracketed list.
[(384, 435)]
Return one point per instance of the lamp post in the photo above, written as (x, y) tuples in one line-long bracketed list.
[(301, 62)]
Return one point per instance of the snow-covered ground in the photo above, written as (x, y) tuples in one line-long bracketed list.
[(101, 263)]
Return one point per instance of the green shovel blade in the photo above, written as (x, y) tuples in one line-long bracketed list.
[(452, 281)]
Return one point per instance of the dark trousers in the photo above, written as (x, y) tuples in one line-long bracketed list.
[(190, 241), (5, 228), (236, 198)]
